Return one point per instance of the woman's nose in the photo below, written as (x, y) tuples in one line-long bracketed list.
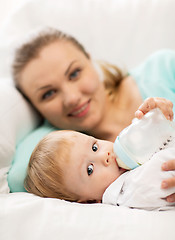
[(71, 97)]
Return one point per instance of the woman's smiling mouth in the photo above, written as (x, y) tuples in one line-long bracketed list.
[(80, 111)]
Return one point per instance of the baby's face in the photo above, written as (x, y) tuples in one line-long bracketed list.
[(92, 167)]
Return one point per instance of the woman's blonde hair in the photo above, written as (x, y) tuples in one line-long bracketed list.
[(30, 50), (45, 173)]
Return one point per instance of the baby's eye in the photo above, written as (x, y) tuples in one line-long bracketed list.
[(94, 147), (90, 169), (74, 74), (48, 94)]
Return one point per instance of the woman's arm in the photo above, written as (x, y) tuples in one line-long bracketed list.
[(170, 182), (165, 105)]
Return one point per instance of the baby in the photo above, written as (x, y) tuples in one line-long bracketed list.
[(73, 166)]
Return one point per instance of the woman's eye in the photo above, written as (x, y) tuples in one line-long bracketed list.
[(48, 94), (94, 147), (90, 169), (74, 74)]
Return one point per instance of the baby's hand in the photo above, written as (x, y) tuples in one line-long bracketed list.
[(166, 106)]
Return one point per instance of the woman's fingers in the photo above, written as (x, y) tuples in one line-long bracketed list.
[(170, 182), (163, 104), (171, 198), (139, 114), (166, 107), (147, 105), (169, 165)]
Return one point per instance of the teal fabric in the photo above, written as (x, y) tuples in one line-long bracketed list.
[(156, 76), (24, 149)]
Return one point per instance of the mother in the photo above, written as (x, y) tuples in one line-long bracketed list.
[(71, 91)]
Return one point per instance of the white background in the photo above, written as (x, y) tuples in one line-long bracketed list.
[(8, 6)]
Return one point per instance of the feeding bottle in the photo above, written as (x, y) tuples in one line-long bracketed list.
[(137, 143)]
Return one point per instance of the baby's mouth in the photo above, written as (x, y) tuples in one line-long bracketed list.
[(122, 170)]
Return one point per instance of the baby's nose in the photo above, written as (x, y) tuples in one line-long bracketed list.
[(107, 159)]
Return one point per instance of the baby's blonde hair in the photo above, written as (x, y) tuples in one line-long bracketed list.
[(30, 50), (45, 174)]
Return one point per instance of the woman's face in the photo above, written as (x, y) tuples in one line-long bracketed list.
[(64, 86)]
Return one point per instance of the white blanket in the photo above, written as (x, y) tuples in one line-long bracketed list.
[(24, 216), (141, 188)]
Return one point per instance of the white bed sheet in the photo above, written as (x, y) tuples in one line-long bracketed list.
[(25, 216)]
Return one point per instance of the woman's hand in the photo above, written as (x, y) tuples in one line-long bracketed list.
[(168, 166), (166, 106)]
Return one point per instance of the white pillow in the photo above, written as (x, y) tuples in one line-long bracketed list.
[(124, 32), (17, 119)]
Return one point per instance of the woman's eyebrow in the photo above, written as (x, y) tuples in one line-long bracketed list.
[(70, 65), (66, 72), (44, 87)]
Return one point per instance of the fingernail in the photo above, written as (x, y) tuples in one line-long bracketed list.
[(171, 199), (164, 184), (164, 166)]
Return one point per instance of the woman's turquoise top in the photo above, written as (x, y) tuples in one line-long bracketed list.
[(155, 77)]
